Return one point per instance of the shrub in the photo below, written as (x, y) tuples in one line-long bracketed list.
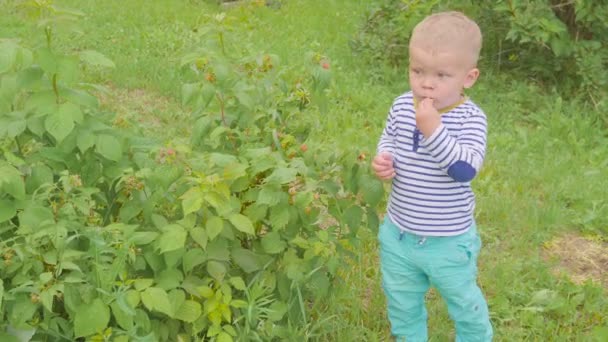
[(559, 43)]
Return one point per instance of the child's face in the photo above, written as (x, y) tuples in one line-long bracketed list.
[(441, 76)]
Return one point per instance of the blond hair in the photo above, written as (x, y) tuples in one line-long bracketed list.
[(447, 32)]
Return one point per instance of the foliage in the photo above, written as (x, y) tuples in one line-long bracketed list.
[(109, 236), (558, 42)]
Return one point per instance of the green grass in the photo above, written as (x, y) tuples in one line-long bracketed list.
[(545, 171)]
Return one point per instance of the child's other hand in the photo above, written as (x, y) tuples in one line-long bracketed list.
[(427, 117), (383, 166)]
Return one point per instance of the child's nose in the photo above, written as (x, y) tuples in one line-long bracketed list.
[(427, 82)]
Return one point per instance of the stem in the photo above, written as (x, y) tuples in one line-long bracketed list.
[(48, 32), (221, 35), (55, 88), (223, 115), (222, 112)]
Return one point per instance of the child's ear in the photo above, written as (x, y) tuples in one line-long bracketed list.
[(471, 77)]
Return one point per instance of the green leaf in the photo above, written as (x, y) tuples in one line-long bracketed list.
[(279, 216), (173, 238), (80, 97), (373, 221), (269, 196), (193, 258), (214, 227), (8, 55), (16, 127), (216, 269), (71, 111), (47, 60), (41, 174), (242, 223), (190, 93), (109, 147), (11, 181), (58, 125), (238, 283), (28, 77), (282, 175), (143, 238), (5, 337), (189, 311), (156, 299), (278, 309), (373, 191), (218, 250), (142, 284), (246, 259), (96, 59), (353, 217), (8, 210), (199, 235), (224, 337), (123, 319), (91, 318), (273, 244), (192, 201)]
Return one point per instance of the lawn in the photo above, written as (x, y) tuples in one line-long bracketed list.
[(542, 203)]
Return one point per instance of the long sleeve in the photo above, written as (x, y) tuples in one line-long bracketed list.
[(461, 158), (387, 139)]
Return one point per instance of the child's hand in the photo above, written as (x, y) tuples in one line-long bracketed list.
[(383, 166), (427, 117)]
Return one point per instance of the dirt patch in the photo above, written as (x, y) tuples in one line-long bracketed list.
[(579, 258)]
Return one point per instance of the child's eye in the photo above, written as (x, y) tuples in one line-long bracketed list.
[(416, 71), (442, 75)]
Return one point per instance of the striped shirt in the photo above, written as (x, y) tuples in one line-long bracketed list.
[(431, 193)]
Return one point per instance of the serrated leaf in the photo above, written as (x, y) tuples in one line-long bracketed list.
[(353, 217), (242, 223), (173, 238), (192, 201), (142, 284), (277, 310), (7, 211), (246, 260), (214, 227), (273, 244), (238, 283), (11, 181), (189, 311), (143, 238), (91, 318), (123, 319), (372, 190), (216, 269), (279, 216), (269, 196), (95, 58), (193, 258), (282, 175), (58, 125), (156, 299), (109, 147), (85, 140), (199, 235)]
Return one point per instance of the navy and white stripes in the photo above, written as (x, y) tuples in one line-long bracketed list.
[(431, 192)]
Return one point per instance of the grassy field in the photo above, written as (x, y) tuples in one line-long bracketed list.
[(543, 185)]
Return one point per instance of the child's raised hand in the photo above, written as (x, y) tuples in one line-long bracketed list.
[(383, 166), (427, 117)]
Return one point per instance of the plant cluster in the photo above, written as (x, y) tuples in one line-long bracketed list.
[(109, 236)]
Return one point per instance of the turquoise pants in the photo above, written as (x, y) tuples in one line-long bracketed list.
[(410, 264)]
